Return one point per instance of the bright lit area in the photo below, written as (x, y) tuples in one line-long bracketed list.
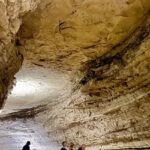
[(35, 87)]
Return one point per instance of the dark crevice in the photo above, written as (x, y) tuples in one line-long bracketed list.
[(24, 114), (141, 33)]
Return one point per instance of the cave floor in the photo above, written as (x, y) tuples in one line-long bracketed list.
[(14, 134)]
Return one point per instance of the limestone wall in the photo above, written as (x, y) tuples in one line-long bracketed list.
[(104, 46)]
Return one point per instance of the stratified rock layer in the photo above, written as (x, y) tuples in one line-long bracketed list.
[(104, 46)]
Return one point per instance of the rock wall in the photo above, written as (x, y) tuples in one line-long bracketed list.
[(104, 46), (10, 56), (71, 32), (115, 114), (111, 51)]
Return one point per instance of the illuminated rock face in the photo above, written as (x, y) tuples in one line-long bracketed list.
[(104, 47), (73, 32)]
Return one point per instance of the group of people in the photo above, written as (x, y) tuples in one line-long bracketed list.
[(65, 146), (71, 146)]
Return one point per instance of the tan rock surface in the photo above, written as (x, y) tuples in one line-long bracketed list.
[(104, 46), (10, 56)]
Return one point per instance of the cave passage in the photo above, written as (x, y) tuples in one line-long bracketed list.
[(75, 70)]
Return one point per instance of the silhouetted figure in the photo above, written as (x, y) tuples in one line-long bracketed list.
[(71, 146), (64, 144), (82, 147), (27, 146)]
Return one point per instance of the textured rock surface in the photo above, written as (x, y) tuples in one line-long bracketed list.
[(104, 47), (10, 56), (73, 32)]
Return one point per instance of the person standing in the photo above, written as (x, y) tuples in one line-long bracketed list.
[(64, 144), (27, 146), (82, 147), (71, 146)]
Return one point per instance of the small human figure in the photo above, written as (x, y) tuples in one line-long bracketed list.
[(82, 147), (64, 144), (71, 146), (27, 146)]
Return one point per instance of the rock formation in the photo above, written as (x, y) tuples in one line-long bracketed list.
[(103, 46), (10, 57)]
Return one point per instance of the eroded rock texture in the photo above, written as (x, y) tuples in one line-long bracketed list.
[(104, 46), (10, 56)]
